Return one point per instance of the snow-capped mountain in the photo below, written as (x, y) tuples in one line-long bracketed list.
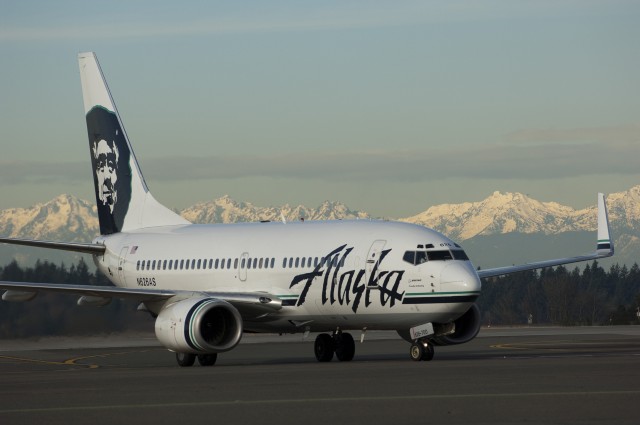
[(64, 218), (67, 218), (503, 213), (226, 210), (499, 213)]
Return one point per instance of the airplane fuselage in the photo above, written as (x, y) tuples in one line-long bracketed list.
[(350, 274)]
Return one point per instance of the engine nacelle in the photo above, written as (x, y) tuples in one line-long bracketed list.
[(464, 328), (199, 325)]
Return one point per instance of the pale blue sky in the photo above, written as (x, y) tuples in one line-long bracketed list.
[(389, 107)]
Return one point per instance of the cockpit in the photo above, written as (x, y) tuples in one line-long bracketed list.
[(428, 252)]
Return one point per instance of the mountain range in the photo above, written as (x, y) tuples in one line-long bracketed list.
[(512, 218)]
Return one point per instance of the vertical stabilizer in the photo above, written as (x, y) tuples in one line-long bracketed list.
[(123, 199)]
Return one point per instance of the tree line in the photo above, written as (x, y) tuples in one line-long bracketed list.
[(558, 296), (58, 314)]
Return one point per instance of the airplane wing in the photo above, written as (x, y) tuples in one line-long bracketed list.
[(65, 246), (604, 249), (249, 302)]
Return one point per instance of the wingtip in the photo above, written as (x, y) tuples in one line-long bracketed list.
[(604, 246)]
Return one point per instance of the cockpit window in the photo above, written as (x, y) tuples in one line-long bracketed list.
[(459, 254), (419, 257), (440, 255), (409, 257)]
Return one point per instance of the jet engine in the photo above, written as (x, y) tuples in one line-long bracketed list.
[(199, 325), (461, 330)]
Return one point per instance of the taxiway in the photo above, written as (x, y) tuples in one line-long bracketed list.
[(536, 375)]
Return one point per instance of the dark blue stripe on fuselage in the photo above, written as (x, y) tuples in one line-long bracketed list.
[(604, 246), (187, 322), (440, 300), (286, 303)]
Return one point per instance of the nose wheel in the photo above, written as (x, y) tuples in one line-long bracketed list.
[(421, 351)]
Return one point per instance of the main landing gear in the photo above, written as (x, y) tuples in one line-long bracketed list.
[(340, 343), (421, 350), (188, 359)]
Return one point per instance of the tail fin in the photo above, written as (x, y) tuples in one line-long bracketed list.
[(123, 198)]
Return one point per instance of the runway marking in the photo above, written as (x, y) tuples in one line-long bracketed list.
[(320, 400), (69, 362), (73, 361), (559, 345)]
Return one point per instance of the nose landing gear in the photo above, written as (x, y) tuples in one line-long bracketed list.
[(421, 350)]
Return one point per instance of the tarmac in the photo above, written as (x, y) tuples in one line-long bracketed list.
[(511, 375)]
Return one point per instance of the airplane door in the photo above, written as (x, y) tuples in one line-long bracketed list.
[(373, 257), (121, 263), (242, 274)]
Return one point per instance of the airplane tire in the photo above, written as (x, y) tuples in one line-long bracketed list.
[(207, 359), (323, 348), (417, 352), (345, 347), (429, 351), (185, 359)]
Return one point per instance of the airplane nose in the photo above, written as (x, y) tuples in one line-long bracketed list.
[(459, 276)]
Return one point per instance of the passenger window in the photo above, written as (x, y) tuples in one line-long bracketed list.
[(315, 262), (304, 261), (216, 264), (284, 263), (290, 262), (164, 265), (153, 265), (297, 262), (229, 263), (199, 263), (249, 263), (138, 265), (273, 263), (235, 263), (243, 263)]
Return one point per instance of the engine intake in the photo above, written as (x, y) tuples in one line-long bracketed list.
[(199, 325), (465, 328)]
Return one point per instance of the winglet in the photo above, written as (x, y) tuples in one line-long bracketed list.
[(605, 244)]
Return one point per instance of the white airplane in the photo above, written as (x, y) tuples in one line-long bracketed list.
[(207, 284)]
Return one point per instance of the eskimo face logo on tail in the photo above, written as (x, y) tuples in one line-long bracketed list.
[(112, 172), (105, 155)]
